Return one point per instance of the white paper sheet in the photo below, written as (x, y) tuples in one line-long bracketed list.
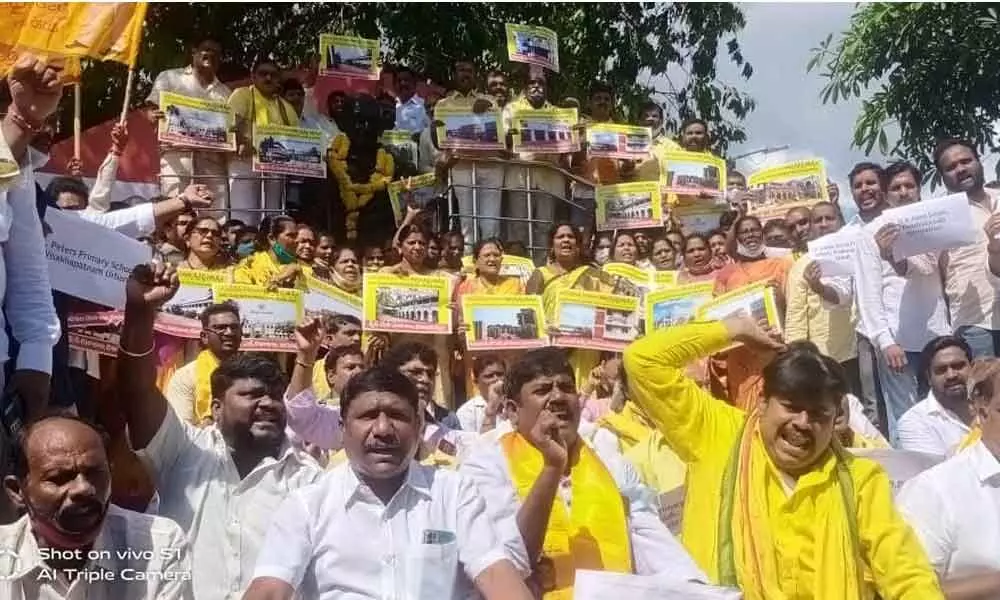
[(603, 585), (89, 261), (932, 225), (899, 465), (835, 252)]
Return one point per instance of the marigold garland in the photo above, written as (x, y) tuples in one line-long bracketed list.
[(356, 196)]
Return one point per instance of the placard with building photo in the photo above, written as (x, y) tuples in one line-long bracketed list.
[(675, 306), (510, 266), (698, 218), (349, 56), (463, 129), (633, 205), (504, 322), (756, 301), (407, 304), (196, 123), (776, 190), (639, 278), (692, 174), (324, 299), (595, 321), (420, 191), (181, 315), (402, 146), (268, 317), (98, 332), (533, 45), (289, 151), (611, 140), (545, 130)]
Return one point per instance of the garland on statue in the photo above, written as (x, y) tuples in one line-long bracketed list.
[(356, 196)]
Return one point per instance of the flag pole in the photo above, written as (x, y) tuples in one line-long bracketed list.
[(128, 94), (77, 125)]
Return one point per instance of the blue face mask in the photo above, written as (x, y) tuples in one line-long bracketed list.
[(245, 249)]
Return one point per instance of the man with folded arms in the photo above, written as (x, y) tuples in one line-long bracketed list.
[(562, 505), (383, 525)]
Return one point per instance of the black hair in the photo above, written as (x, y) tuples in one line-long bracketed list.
[(478, 248), (67, 185), (412, 228), (533, 364), (557, 226), (405, 69), (711, 234), (651, 105), (330, 98), (233, 223), (727, 219), (496, 73), (400, 354), (744, 219), (861, 167), (944, 144), (693, 121), (619, 235), (221, 308), (481, 361), (20, 449), (194, 223), (826, 204), (291, 84), (201, 39), (901, 167), (696, 236), (338, 352), (454, 233), (334, 323), (379, 379), (248, 366), (260, 62), (805, 376), (601, 86), (940, 343)]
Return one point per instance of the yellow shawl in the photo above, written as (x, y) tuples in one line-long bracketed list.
[(973, 436), (260, 267), (592, 534), (630, 425), (204, 366)]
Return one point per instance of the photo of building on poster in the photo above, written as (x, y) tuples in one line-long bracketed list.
[(683, 177), (596, 321), (504, 324), (289, 151), (348, 56), (194, 123), (464, 129)]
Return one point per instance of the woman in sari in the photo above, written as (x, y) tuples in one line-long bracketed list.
[(567, 271), (624, 249), (663, 257), (750, 265), (305, 244), (275, 264), (345, 274), (697, 266)]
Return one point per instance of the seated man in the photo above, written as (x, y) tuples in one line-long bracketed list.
[(62, 480), (220, 483), (773, 506), (189, 391), (382, 525), (561, 505)]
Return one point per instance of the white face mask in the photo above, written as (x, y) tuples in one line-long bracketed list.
[(601, 255), (744, 251)]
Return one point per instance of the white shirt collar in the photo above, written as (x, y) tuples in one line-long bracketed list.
[(417, 479), (986, 465), (415, 100)]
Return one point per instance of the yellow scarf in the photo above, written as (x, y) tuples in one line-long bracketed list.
[(745, 545), (204, 366), (592, 534), (262, 106), (969, 440), (630, 425)]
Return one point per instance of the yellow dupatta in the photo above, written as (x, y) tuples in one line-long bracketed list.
[(630, 425), (592, 534), (745, 558), (970, 439), (204, 366), (260, 267)]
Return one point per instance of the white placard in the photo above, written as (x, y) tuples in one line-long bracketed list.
[(602, 585), (900, 465), (835, 252), (88, 261), (931, 225)]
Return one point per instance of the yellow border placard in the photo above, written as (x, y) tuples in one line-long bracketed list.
[(632, 142), (424, 287), (533, 324), (307, 163), (715, 310), (595, 338), (266, 337), (510, 266), (220, 140), (645, 205), (781, 188), (471, 133), (554, 132), (700, 292), (533, 45), (181, 317), (414, 185), (348, 304), (663, 279), (331, 65), (692, 187)]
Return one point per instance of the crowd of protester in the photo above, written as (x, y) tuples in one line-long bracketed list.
[(375, 465)]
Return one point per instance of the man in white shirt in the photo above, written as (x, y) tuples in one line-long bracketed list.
[(180, 167), (382, 525), (72, 542), (954, 507), (901, 303), (410, 112), (487, 369), (222, 483), (532, 476), (972, 293), (939, 423)]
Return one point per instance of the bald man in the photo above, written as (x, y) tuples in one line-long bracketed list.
[(71, 541)]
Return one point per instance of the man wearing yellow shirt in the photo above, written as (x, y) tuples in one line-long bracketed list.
[(257, 104), (774, 505)]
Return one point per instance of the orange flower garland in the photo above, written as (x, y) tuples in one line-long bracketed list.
[(356, 196)]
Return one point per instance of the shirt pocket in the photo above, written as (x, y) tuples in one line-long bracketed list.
[(431, 568)]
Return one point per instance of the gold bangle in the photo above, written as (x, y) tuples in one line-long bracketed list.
[(122, 350)]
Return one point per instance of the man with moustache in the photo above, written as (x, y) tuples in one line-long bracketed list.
[(180, 167), (221, 483), (62, 481), (383, 525)]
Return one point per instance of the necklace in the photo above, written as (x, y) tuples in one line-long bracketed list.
[(356, 196)]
